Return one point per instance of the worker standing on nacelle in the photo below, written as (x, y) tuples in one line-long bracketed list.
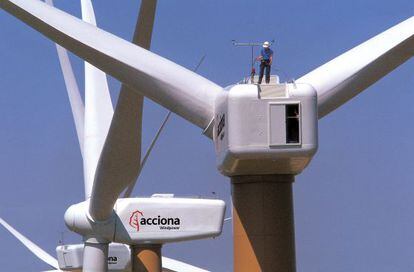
[(266, 59)]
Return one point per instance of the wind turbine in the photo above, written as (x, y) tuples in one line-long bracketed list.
[(333, 84), (92, 123), (122, 253)]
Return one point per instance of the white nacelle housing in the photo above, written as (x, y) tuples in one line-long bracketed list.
[(70, 257), (156, 220), (265, 129)]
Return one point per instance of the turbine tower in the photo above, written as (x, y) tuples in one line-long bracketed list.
[(264, 135)]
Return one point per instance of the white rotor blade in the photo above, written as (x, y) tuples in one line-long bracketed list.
[(168, 84), (171, 265), (75, 99), (121, 157), (98, 116), (344, 77), (98, 110), (176, 88), (127, 119), (147, 153), (153, 142), (40, 253)]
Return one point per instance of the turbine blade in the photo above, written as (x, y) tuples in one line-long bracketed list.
[(98, 110), (171, 265), (88, 13), (144, 160), (75, 99), (344, 77), (168, 84), (153, 142), (128, 113), (98, 117), (120, 161), (145, 24), (36, 250)]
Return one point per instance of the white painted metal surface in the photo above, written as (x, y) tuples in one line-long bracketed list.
[(98, 110), (154, 220), (119, 259), (251, 137), (98, 116), (193, 97), (131, 186), (129, 110), (344, 77), (70, 257), (75, 99), (170, 85), (121, 158)]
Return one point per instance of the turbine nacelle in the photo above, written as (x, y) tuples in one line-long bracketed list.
[(153, 220), (70, 257), (265, 129)]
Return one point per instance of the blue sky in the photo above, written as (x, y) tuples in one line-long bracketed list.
[(353, 204)]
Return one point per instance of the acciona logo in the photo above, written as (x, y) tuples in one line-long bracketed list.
[(134, 219), (138, 220)]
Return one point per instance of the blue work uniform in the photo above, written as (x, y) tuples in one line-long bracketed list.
[(266, 54)]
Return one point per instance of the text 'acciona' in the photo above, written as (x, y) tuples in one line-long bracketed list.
[(169, 223)]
